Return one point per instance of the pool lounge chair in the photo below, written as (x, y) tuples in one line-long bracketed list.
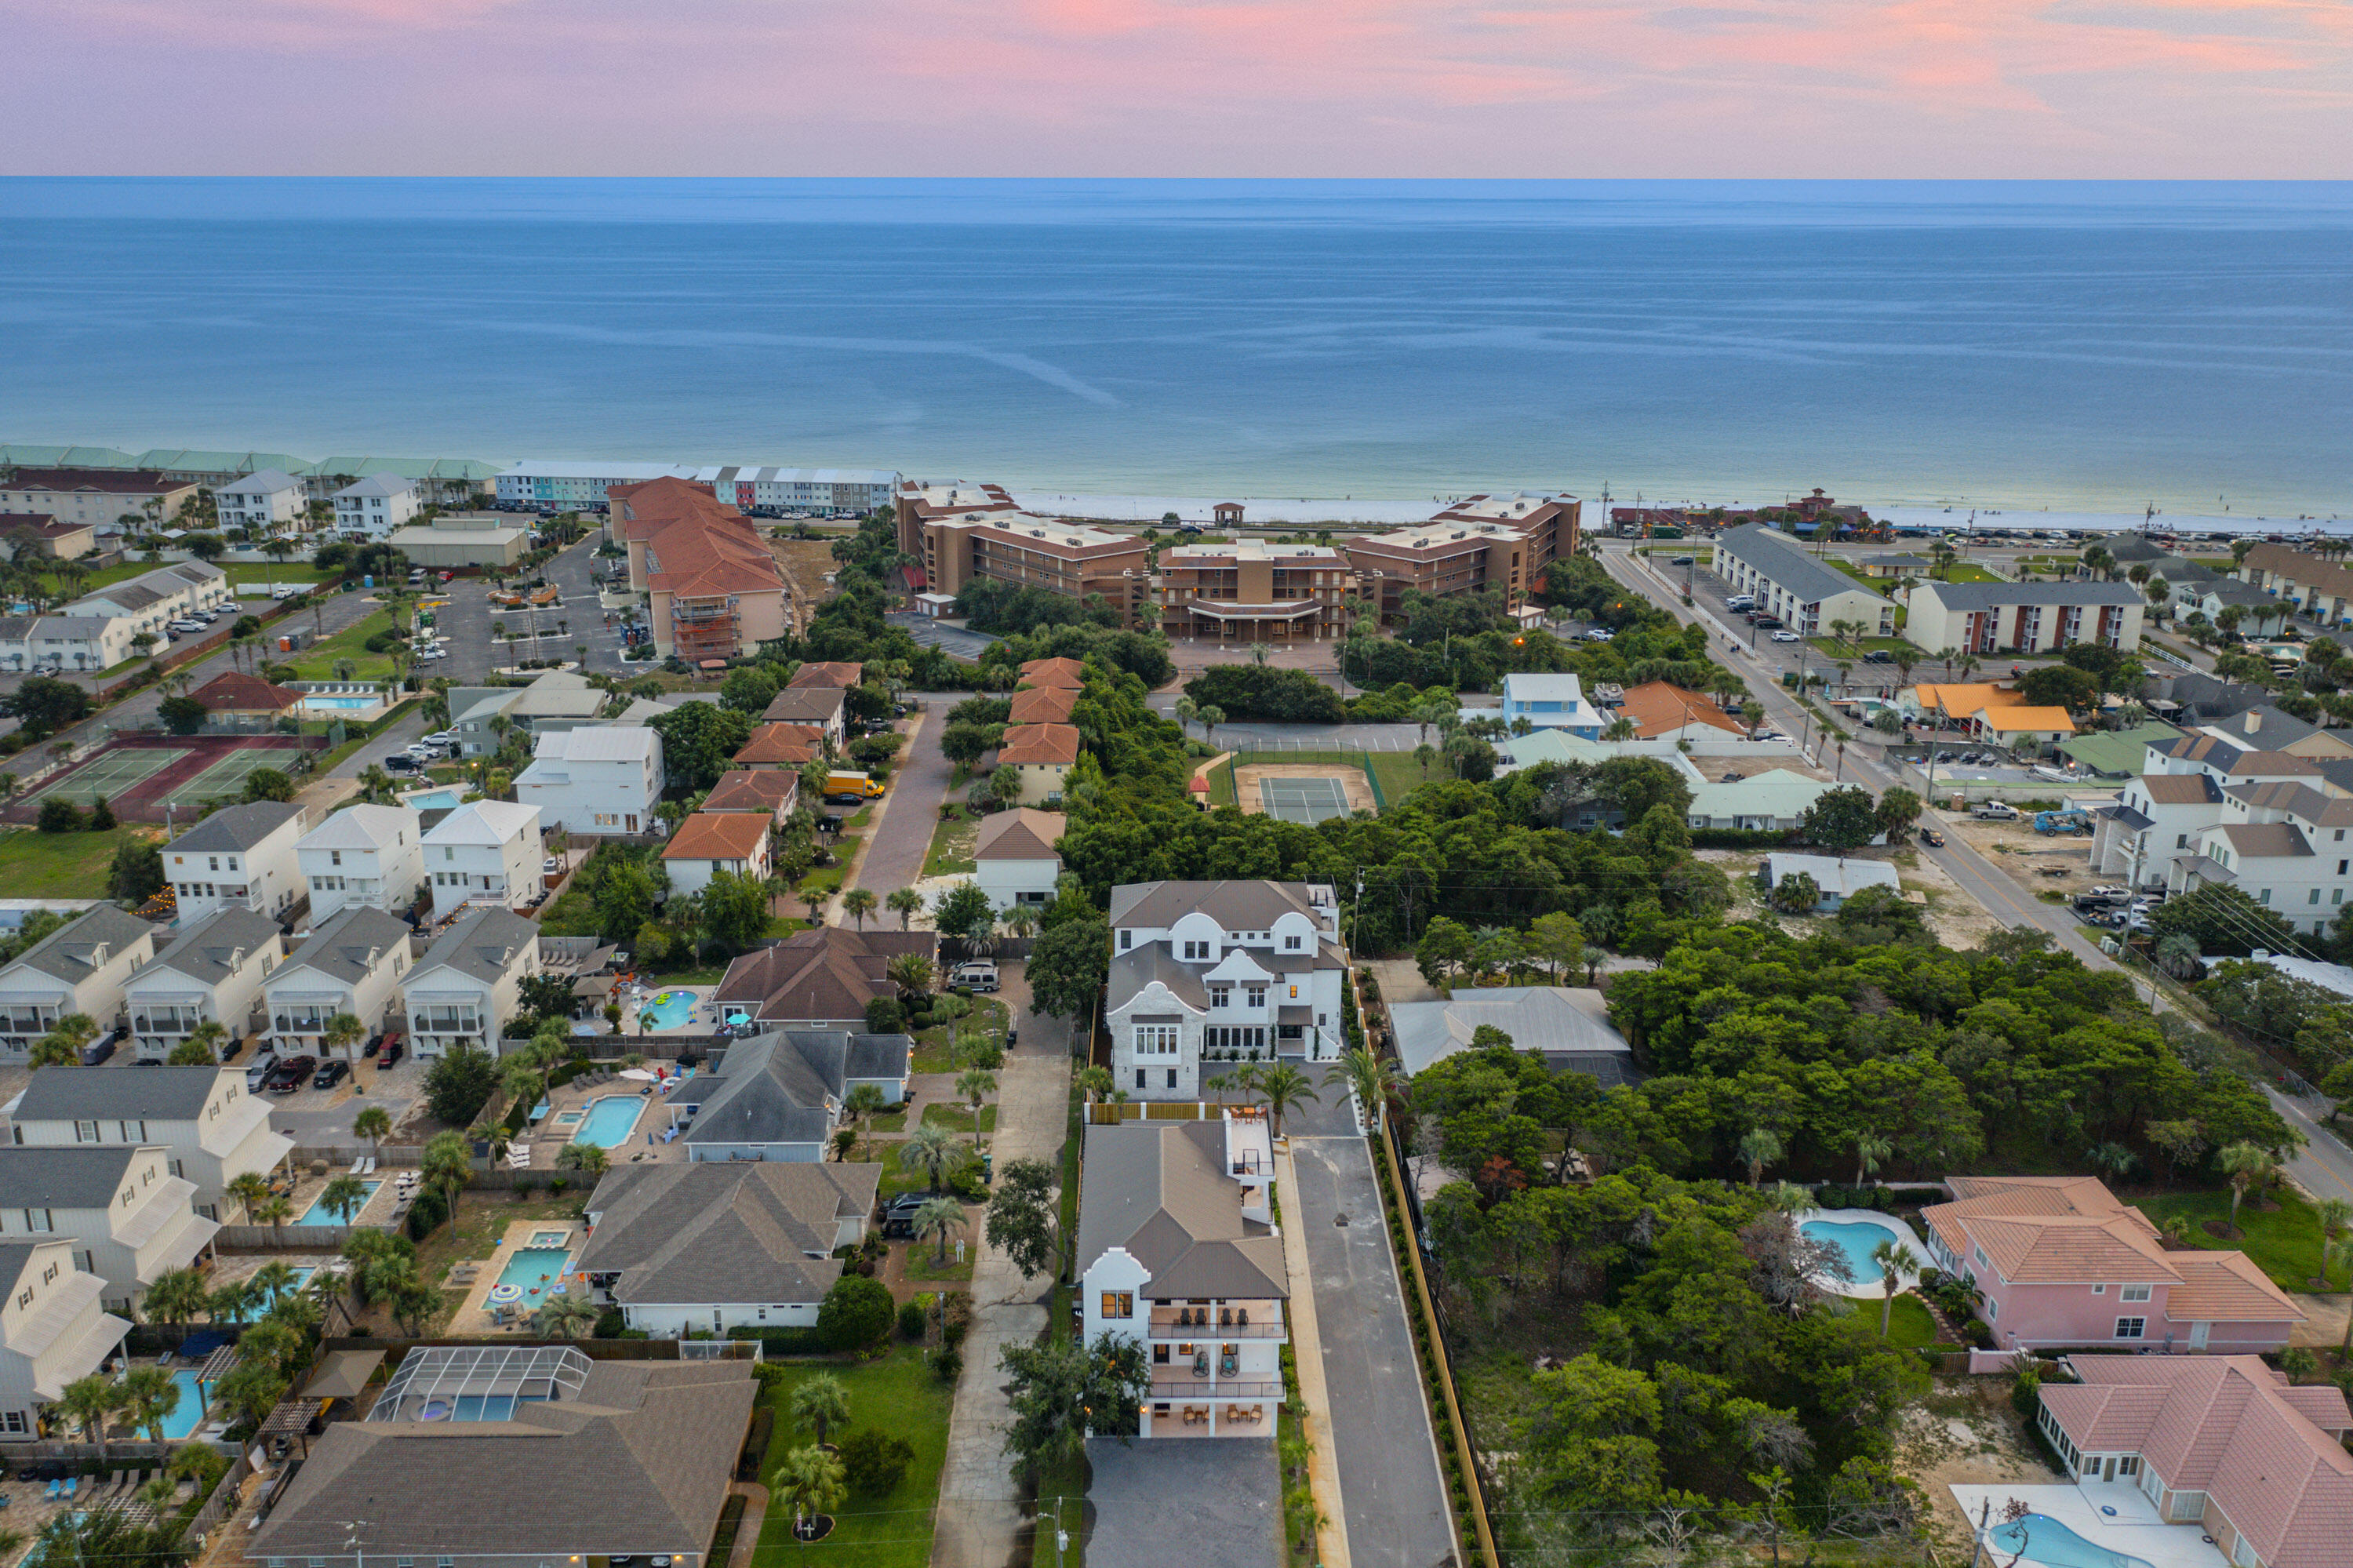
[(356, 1164)]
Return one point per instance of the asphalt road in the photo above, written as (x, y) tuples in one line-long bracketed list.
[(2323, 1167), (902, 835)]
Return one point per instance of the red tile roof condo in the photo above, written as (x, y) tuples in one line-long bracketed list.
[(718, 835), (1037, 745)]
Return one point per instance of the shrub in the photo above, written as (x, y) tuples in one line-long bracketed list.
[(2026, 1392), (609, 1323), (947, 1364), (856, 1313), (911, 1319), (885, 1016), (426, 1214), (1979, 1332), (874, 1462), (59, 815)]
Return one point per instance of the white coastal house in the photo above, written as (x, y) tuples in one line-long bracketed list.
[(485, 850), (1219, 971), (53, 1331), (353, 963), (597, 778), (368, 855), (212, 972), (82, 968), (468, 982), (270, 502), (213, 1129), (240, 857), (1016, 859), (126, 1215), (1178, 1250), (151, 602), (373, 507), (1836, 878)]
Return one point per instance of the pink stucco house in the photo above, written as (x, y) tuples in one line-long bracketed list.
[(2060, 1261), (2220, 1443)]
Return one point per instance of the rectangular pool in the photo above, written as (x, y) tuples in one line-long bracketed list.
[(186, 1415), (534, 1269), (344, 702), (610, 1120), (433, 800), (318, 1213)]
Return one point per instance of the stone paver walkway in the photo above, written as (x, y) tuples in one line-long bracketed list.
[(747, 1532)]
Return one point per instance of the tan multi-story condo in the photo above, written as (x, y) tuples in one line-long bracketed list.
[(95, 498), (1499, 543), (711, 583), (960, 531), (1252, 590)]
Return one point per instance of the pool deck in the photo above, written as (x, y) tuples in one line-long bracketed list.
[(697, 1022), (547, 1136), (1870, 1289), (2135, 1528), (376, 1211), (474, 1314)]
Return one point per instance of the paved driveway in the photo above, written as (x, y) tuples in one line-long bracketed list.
[(1206, 1501), (957, 641), (1392, 1494)]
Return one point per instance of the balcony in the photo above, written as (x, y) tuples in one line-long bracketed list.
[(1264, 1324), (1193, 1388)]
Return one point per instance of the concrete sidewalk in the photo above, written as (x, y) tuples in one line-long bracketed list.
[(1307, 1353)]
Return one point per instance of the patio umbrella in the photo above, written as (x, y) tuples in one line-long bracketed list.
[(505, 1295), (637, 1073)]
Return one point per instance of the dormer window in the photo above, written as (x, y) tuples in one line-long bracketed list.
[(1196, 950)]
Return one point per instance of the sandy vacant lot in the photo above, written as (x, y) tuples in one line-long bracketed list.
[(1957, 920), (805, 563)]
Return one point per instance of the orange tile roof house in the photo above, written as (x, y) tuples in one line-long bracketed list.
[(1660, 709), (1044, 753), (782, 745), (2220, 1443), (2063, 1263), (1044, 705), (1063, 672), (774, 790), (708, 843), (714, 585), (819, 673)]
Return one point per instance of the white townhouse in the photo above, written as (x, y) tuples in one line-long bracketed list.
[(1209, 973), (54, 1330), (127, 1217), (2024, 617), (372, 856), (268, 502), (212, 972), (487, 850), (82, 968), (153, 599), (469, 983), (1015, 858), (375, 505), (353, 963), (66, 641), (240, 857), (598, 778), (1806, 594), (1178, 1250), (213, 1129)]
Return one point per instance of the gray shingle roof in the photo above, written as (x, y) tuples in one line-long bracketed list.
[(1135, 969), (1548, 1020), (203, 952), (1784, 561), (483, 945), (1986, 595), (67, 953), (735, 1231), (155, 1094), (63, 1178), (237, 827), (1235, 906), (340, 949), (773, 1089), (1160, 1191), (2275, 728)]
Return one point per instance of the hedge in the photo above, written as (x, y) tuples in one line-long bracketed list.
[(786, 1342)]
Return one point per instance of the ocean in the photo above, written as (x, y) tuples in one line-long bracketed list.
[(2084, 347)]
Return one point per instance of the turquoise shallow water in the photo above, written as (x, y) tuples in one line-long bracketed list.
[(2072, 345)]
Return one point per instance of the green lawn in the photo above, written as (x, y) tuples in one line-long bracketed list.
[(952, 846), (61, 866), (923, 1260), (1853, 653), (1398, 775), (899, 1394), (2283, 1241), (1910, 1326), (295, 570), (987, 1016), (959, 1118), (317, 662)]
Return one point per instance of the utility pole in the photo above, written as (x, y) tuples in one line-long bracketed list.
[(351, 1528)]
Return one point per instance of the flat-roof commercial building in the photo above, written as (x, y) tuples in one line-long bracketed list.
[(1497, 542), (458, 539), (1252, 590), (960, 533)]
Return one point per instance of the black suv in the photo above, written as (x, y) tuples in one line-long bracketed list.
[(331, 1075)]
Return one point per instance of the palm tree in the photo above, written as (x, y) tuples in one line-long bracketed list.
[(449, 1165), (930, 1150), (2334, 1215), (1869, 1149), (177, 1298), (976, 1086), (1759, 1147), (1790, 1198), (939, 1216), (590, 1159), (1895, 1271), (1187, 710), (564, 1315), (345, 1196), (343, 1031), (905, 903), (1372, 1080), (272, 1281), (817, 1403), (251, 1188), (912, 973), (274, 1211), (1284, 1086), (89, 1403), (374, 1124), (2247, 1167), (1211, 716), (858, 904), (811, 1480), (1095, 1083)]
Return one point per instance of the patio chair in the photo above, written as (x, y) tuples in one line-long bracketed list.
[(56, 1487), (356, 1164), (368, 1166), (73, 1485)]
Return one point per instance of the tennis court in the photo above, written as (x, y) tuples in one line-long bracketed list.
[(111, 774), (228, 776), (1301, 800)]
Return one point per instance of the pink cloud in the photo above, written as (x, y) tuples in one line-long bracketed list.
[(1226, 87)]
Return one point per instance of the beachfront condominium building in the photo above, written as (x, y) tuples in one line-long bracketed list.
[(960, 533), (1500, 544), (241, 858), (713, 586), (469, 983), (2309, 585), (579, 487), (81, 968), (213, 973), (126, 1213), (271, 502), (352, 964), (596, 779), (214, 1129), (373, 856), (1252, 590), (373, 507), (1808, 595), (97, 498), (2023, 618), (53, 1331), (819, 491), (1178, 1251), (1219, 971)]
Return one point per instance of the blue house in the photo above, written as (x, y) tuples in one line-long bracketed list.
[(1552, 702)]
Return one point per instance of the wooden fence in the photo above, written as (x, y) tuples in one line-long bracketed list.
[(224, 1498), (283, 1239)]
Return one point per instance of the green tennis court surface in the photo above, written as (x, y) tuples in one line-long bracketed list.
[(1303, 799), (111, 773), (228, 776)]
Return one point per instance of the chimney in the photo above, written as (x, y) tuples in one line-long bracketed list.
[(2254, 721)]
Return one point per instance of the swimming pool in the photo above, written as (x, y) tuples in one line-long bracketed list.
[(343, 701), (1856, 1238), (2042, 1539), (318, 1213), (469, 1407), (610, 1120), (432, 800), (526, 1265), (669, 1010), (190, 1411)]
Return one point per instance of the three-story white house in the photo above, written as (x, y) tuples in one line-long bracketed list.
[(81, 968), (1179, 1249), (270, 502), (213, 1129), (1211, 972), (373, 507), (126, 1216), (368, 855), (353, 963), (486, 850), (240, 857), (467, 985), (53, 1331), (212, 972), (597, 778)]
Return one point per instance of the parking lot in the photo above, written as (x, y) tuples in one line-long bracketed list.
[(578, 620)]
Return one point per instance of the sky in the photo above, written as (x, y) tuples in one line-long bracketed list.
[(1538, 88)]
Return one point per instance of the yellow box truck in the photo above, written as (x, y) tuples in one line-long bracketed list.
[(858, 784)]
